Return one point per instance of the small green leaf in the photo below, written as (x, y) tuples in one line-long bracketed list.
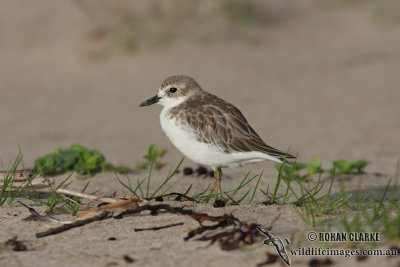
[(315, 161), (350, 167), (152, 158)]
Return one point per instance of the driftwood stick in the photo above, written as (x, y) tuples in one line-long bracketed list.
[(130, 204), (87, 196), (65, 227), (158, 228)]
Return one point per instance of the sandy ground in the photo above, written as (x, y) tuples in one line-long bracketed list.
[(324, 81)]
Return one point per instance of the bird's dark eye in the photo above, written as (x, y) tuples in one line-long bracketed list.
[(172, 90)]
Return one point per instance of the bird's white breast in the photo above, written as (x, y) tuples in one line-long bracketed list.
[(183, 137)]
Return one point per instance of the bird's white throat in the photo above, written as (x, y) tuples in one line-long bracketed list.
[(170, 102)]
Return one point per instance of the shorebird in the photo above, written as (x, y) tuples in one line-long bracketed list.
[(209, 130)]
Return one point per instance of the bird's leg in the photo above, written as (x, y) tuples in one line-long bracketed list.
[(218, 175), (212, 188), (217, 183)]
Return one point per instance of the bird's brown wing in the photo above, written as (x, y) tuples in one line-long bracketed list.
[(215, 121)]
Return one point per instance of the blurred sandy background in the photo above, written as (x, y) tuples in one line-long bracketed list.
[(319, 76)]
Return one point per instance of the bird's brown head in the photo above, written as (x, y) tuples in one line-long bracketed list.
[(174, 90)]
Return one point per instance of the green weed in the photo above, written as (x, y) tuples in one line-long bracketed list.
[(242, 184), (8, 193), (152, 158), (349, 167), (303, 171), (374, 215), (137, 191), (308, 198), (56, 202), (78, 158)]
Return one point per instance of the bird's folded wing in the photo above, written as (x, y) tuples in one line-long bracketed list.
[(226, 127)]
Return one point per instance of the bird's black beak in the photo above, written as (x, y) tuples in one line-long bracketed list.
[(150, 101)]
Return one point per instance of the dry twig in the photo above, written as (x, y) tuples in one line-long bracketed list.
[(103, 215), (87, 196), (158, 228), (129, 204)]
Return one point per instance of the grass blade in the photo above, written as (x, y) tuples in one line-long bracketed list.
[(167, 178), (255, 189)]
